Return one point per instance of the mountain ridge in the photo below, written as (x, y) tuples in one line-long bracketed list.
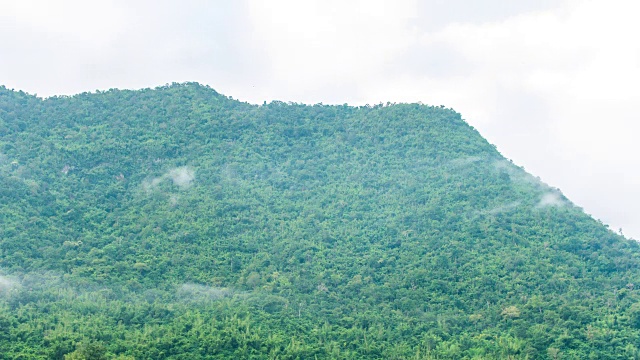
[(331, 224)]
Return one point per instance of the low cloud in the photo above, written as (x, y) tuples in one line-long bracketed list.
[(516, 173), (7, 284), (463, 161), (197, 292), (551, 199), (502, 208), (181, 177)]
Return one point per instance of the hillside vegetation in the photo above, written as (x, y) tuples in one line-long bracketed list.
[(179, 223)]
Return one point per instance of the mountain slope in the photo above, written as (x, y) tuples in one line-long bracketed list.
[(180, 223)]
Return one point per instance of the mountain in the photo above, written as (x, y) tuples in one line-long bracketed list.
[(180, 223)]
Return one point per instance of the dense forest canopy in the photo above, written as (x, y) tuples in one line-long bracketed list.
[(179, 223)]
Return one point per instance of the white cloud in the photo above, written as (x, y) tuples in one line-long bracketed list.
[(99, 22), (500, 208), (463, 161), (8, 283), (181, 177), (517, 174), (550, 199), (327, 51), (71, 46), (197, 292)]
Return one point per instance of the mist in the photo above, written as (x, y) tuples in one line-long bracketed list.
[(182, 177), (8, 283), (551, 199), (197, 292)]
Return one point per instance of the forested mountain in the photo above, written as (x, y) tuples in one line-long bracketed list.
[(180, 223)]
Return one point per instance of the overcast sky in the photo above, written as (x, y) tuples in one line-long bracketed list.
[(554, 84)]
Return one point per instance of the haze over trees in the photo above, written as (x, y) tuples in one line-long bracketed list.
[(179, 223)]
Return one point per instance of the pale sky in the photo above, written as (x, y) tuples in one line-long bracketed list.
[(554, 84)]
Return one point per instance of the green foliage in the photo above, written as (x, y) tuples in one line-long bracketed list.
[(88, 351), (179, 223)]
